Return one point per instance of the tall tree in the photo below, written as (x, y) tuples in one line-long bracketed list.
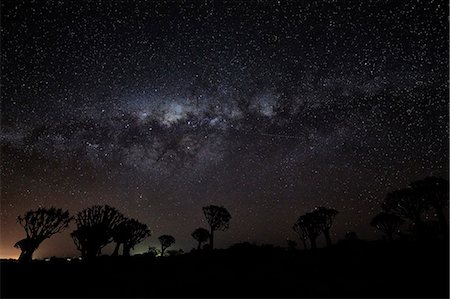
[(300, 228), (39, 225), (218, 219), (387, 224), (201, 235), (434, 191), (326, 217), (95, 229), (130, 232), (166, 241)]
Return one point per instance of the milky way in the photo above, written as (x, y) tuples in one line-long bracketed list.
[(269, 108)]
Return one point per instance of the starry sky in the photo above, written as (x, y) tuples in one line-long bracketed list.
[(269, 108)]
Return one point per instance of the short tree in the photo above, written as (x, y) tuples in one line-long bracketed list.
[(300, 228), (326, 217), (218, 219), (166, 241), (201, 235), (312, 222), (39, 225), (95, 229), (130, 232)]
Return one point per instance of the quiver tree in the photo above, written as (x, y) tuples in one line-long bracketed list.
[(312, 222), (201, 235), (129, 232), (434, 191), (218, 219), (406, 203), (39, 225), (95, 229), (166, 241), (326, 217), (300, 228), (387, 223)]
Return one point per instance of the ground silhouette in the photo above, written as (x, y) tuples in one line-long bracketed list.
[(350, 268)]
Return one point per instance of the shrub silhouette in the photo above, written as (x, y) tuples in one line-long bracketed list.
[(218, 219), (95, 229), (129, 233), (326, 217), (39, 225), (201, 235), (166, 241), (387, 224)]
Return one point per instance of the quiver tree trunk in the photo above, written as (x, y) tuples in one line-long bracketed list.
[(27, 246), (326, 233), (390, 236), (442, 222), (211, 240), (305, 246), (313, 243), (418, 229), (91, 253), (116, 250), (126, 250), (26, 255)]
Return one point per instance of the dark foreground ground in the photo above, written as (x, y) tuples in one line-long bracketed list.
[(355, 269)]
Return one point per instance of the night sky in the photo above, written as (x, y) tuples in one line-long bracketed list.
[(269, 108)]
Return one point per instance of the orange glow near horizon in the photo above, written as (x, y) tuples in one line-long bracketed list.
[(12, 253)]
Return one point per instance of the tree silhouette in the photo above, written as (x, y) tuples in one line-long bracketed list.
[(218, 219), (434, 191), (326, 217), (39, 225), (300, 228), (312, 223), (201, 235), (166, 241), (406, 203), (387, 224), (129, 233), (95, 229)]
